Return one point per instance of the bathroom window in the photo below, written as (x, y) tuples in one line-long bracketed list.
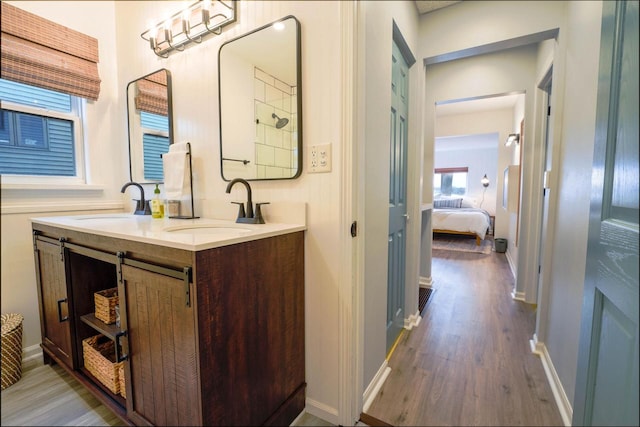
[(40, 132), (450, 181)]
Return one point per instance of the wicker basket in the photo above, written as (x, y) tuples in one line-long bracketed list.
[(11, 348), (99, 359), (123, 388), (106, 302)]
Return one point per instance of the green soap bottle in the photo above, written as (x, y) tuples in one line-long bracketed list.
[(157, 207)]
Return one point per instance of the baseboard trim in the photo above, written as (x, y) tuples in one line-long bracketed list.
[(321, 410), (518, 296), (564, 406), (31, 353), (374, 386), (512, 264), (412, 321), (425, 282)]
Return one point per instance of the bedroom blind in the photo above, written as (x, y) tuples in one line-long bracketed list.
[(39, 52)]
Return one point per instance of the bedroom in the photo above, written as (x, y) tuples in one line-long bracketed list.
[(469, 145)]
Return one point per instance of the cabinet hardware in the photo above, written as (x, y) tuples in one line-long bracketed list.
[(187, 289), (60, 318), (120, 357), (62, 241), (120, 256), (354, 229)]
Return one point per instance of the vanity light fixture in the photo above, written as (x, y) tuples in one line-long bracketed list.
[(190, 25), (513, 137)]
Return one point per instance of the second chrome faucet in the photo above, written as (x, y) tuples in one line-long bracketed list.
[(247, 215)]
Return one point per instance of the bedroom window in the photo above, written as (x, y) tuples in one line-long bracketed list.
[(450, 181)]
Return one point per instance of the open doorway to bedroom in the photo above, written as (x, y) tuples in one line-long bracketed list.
[(470, 156)]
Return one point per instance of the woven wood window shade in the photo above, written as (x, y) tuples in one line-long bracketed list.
[(41, 53), (152, 94)]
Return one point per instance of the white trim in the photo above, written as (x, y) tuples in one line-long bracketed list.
[(322, 411), (375, 385), (518, 296), (31, 353), (512, 264), (42, 207), (564, 406), (426, 282), (351, 290), (16, 183), (412, 321)]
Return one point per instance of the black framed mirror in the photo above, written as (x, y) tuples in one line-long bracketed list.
[(150, 116), (260, 103)]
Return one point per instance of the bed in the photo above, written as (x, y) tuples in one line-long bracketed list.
[(452, 217)]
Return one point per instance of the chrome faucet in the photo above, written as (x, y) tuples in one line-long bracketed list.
[(247, 215), (142, 207)]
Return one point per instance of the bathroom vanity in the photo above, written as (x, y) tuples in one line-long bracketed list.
[(211, 314)]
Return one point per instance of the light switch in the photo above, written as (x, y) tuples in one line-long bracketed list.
[(320, 158)]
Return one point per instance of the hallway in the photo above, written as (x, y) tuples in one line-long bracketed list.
[(469, 360)]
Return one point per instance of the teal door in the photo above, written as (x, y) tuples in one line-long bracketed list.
[(397, 196), (607, 375)]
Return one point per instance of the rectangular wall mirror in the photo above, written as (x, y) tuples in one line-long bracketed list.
[(149, 112), (259, 78)]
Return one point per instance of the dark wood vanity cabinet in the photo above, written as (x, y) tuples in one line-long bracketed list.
[(210, 337), (54, 301)]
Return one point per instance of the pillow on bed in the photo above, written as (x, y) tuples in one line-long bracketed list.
[(469, 202), (447, 203)]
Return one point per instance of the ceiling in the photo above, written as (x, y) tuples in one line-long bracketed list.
[(472, 106), (430, 6)]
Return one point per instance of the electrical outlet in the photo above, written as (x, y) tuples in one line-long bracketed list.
[(320, 158)]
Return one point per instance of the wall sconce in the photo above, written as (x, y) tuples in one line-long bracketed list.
[(485, 183), (513, 137), (190, 25)]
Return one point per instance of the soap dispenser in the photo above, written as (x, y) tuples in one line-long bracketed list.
[(157, 206)]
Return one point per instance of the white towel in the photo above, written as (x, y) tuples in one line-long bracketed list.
[(176, 171)]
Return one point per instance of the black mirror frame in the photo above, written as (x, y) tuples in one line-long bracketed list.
[(298, 97), (169, 112)]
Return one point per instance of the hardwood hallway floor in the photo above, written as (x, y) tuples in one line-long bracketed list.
[(469, 360)]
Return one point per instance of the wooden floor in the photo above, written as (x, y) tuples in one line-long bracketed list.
[(469, 360), (49, 396)]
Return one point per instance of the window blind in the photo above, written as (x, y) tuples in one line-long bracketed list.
[(152, 94), (41, 53)]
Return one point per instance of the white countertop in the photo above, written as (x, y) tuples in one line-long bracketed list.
[(189, 234)]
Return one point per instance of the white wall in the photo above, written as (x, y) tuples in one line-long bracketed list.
[(479, 161), (378, 18), (489, 74), (107, 165), (496, 121), (577, 95)]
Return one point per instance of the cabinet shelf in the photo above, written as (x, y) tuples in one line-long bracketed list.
[(109, 331)]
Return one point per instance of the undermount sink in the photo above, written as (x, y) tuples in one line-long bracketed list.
[(97, 217), (208, 229)]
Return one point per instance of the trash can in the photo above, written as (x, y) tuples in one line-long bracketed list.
[(500, 245), (11, 348)]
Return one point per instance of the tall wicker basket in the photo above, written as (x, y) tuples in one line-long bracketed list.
[(11, 348)]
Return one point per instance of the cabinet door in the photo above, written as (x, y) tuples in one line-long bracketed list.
[(161, 370), (54, 302)]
